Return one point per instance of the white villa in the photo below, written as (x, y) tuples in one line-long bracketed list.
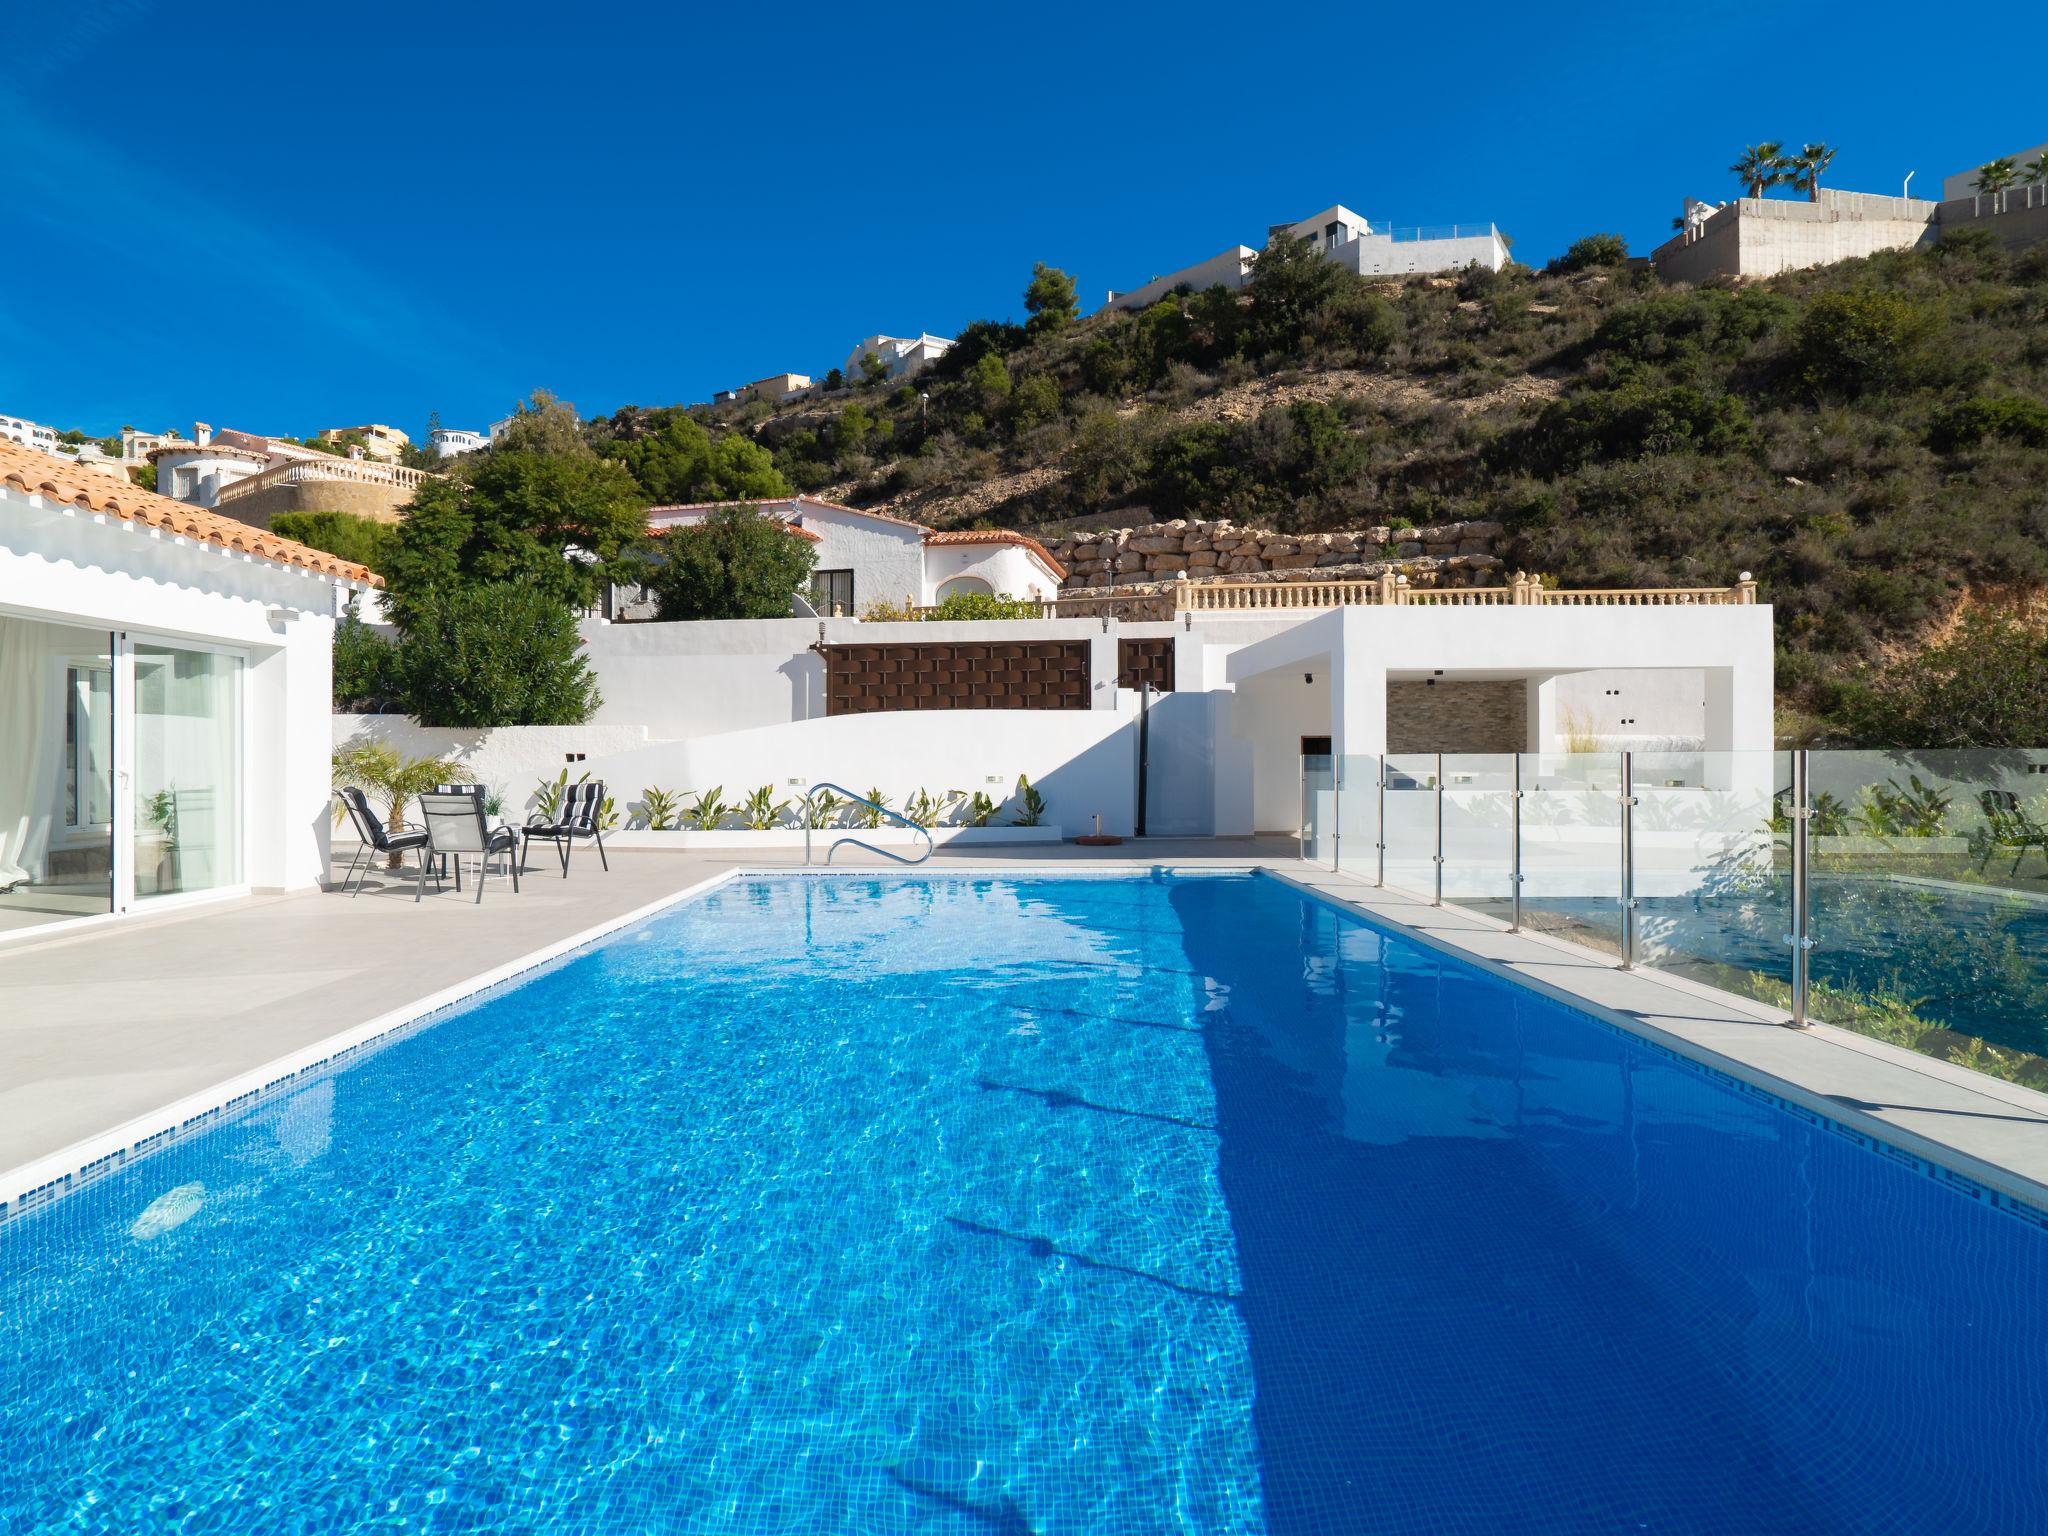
[(199, 470), (453, 442), (1253, 688), (869, 558), (900, 356), (165, 688), (29, 434), (1346, 239)]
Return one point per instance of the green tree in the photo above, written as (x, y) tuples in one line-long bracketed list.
[(1761, 167), (872, 369), (368, 676), (989, 378), (1806, 167), (1290, 282), (539, 508), (500, 653), (2037, 169), (850, 431), (361, 539), (683, 463), (1050, 298), (736, 564), (1035, 402), (1985, 686)]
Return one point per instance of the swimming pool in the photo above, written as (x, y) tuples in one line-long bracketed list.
[(1055, 1205)]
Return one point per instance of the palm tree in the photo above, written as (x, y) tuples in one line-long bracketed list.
[(1761, 166), (2037, 168), (1807, 166), (382, 769), (1996, 177)]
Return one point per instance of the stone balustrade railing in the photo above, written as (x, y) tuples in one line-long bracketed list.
[(292, 472), (1392, 589)]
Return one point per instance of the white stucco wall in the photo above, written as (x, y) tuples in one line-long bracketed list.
[(70, 566), (207, 472), (1228, 269), (1009, 569)]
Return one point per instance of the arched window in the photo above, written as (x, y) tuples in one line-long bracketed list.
[(965, 584)]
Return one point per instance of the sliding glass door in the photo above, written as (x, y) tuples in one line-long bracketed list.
[(188, 770), (57, 787)]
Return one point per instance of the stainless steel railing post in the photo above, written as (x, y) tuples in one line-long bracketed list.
[(1515, 845), (1628, 862), (1801, 939), (1439, 898), (1380, 878)]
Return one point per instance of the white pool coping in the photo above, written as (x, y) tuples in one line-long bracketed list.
[(1952, 1121)]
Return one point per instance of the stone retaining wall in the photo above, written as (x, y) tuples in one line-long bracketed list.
[(1448, 554)]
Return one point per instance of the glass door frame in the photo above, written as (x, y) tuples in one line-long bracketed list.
[(126, 643)]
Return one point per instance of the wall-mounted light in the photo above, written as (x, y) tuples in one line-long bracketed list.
[(277, 618), (1309, 678)]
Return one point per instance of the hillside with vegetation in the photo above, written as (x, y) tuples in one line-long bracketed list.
[(1870, 439)]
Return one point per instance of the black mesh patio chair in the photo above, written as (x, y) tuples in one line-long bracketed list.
[(456, 826), (376, 838), (580, 815)]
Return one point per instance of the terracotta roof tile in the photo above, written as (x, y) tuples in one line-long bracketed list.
[(37, 474), (998, 536), (784, 501)]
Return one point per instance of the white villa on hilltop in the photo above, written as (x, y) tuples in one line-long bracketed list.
[(1346, 239), (900, 356), (870, 558)]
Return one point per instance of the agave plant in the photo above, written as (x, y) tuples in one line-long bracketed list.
[(926, 809), (979, 809), (871, 813), (707, 810), (660, 808), (1030, 804), (761, 810)]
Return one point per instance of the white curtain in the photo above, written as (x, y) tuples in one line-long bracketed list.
[(31, 749)]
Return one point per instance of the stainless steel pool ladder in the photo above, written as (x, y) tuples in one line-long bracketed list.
[(810, 810)]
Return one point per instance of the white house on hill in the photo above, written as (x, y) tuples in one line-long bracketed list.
[(870, 558), (1349, 241), (900, 356)]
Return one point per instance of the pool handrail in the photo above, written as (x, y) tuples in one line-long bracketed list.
[(810, 811)]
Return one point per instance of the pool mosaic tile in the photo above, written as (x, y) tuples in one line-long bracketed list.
[(1021, 1205)]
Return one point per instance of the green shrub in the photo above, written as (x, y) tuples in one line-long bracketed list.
[(1852, 344), (1679, 328), (1985, 686), (971, 606), (1590, 253), (368, 676), (2013, 417), (1634, 422), (343, 534)]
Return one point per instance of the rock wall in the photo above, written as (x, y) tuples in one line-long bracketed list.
[(1449, 554)]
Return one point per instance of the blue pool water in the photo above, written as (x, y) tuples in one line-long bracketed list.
[(1078, 1205)]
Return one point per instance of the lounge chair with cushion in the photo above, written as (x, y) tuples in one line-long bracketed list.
[(456, 827), (580, 815), (376, 838)]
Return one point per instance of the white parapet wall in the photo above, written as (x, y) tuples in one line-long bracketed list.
[(1082, 761)]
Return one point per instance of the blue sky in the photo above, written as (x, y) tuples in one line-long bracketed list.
[(284, 217)]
